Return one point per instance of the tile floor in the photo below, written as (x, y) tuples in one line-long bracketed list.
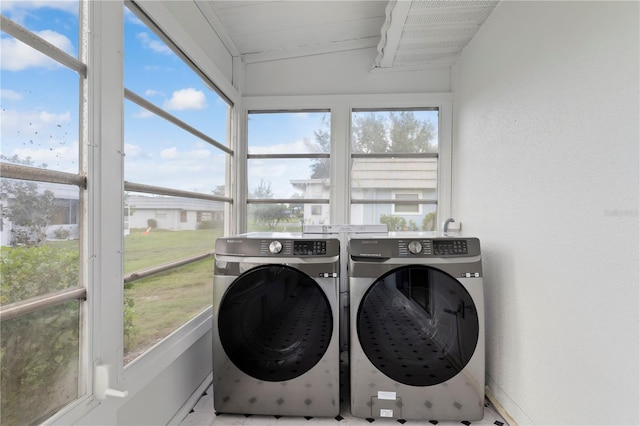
[(203, 414)]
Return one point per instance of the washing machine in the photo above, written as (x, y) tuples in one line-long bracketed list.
[(275, 325), (417, 327)]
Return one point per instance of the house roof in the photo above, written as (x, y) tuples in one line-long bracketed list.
[(395, 173), (141, 202)]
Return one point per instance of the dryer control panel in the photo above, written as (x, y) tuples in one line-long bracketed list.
[(414, 247), (431, 247)]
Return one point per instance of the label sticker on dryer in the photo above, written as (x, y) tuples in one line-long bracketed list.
[(386, 412), (387, 395)]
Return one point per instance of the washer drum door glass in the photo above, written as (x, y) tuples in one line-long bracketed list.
[(418, 325), (275, 323)]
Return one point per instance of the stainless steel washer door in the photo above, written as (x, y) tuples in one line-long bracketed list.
[(275, 323), (418, 325)]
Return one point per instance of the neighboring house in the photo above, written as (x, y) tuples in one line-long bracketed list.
[(379, 179), (173, 213), (314, 214), (169, 213)]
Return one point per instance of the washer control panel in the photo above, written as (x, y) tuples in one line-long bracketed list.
[(294, 247), (309, 248), (280, 247)]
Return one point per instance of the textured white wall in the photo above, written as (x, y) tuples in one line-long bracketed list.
[(546, 140)]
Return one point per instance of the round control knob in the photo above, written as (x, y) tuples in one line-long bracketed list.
[(275, 247), (415, 247)]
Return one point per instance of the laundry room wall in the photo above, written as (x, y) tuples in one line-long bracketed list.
[(546, 175)]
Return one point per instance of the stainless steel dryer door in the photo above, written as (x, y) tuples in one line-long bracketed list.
[(275, 323), (418, 325)]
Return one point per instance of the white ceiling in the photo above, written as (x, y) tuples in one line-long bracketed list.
[(407, 33)]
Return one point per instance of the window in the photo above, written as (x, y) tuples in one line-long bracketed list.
[(289, 169), (205, 216), (176, 168), (408, 208), (394, 168), (42, 187)]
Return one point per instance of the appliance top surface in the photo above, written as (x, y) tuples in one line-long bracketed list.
[(404, 234)]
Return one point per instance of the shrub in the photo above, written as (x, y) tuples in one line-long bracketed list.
[(394, 223), (429, 222), (40, 349)]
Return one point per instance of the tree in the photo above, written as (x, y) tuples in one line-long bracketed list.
[(30, 211), (392, 132), (321, 167), (408, 134), (219, 190), (269, 214), (369, 134), (263, 190)]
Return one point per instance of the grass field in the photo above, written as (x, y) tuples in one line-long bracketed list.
[(163, 302), (160, 246)]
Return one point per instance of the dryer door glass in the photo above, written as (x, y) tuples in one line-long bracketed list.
[(275, 323), (418, 325)]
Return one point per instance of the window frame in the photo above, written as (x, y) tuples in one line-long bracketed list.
[(162, 113), (243, 166), (82, 291), (341, 107)]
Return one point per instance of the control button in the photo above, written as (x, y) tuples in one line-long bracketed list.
[(415, 247), (275, 247)]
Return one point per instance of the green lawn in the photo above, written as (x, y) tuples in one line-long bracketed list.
[(163, 302), (161, 246)]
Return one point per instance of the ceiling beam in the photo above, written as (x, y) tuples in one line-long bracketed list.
[(391, 32)]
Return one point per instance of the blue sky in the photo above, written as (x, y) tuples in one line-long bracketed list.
[(40, 109)]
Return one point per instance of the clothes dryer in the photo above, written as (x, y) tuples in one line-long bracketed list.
[(275, 325), (417, 327)]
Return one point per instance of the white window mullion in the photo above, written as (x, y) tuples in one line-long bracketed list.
[(341, 163), (445, 164), (105, 183)]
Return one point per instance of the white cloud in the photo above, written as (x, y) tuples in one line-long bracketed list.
[(192, 157), (17, 56), (135, 151), (191, 170), (151, 92), (169, 153), (186, 99), (10, 95), (64, 158), (129, 16), (18, 10), (33, 122), (143, 113), (155, 45), (297, 147)]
